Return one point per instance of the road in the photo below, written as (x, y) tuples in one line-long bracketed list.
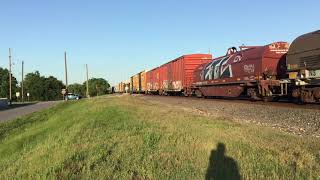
[(14, 113)]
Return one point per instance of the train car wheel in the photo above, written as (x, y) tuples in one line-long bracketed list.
[(253, 99), (267, 99), (198, 93), (298, 101), (185, 94), (276, 99), (252, 93), (161, 92)]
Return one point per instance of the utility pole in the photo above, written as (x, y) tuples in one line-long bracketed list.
[(22, 76), (66, 69), (10, 78), (87, 83)]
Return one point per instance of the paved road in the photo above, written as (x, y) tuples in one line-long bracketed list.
[(14, 113)]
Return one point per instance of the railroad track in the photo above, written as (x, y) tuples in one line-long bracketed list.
[(285, 116), (281, 103)]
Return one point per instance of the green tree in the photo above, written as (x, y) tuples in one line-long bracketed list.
[(52, 88), (42, 88), (4, 84), (97, 86), (34, 85), (77, 89)]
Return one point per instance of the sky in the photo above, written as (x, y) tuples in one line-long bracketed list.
[(122, 37)]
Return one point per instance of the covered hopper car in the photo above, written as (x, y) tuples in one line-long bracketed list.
[(253, 71), (303, 67)]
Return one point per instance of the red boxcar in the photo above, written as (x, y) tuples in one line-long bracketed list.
[(152, 80), (176, 76), (252, 71)]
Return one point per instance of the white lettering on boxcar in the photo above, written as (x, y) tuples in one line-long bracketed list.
[(248, 68)]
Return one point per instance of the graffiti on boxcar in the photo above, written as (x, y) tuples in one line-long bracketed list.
[(177, 85), (238, 58), (156, 85), (208, 72), (219, 68), (248, 68), (165, 84)]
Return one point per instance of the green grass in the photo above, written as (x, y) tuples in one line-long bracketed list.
[(129, 138)]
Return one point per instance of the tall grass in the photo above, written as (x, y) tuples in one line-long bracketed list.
[(128, 138)]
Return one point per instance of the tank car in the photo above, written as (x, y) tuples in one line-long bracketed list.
[(303, 67), (254, 71)]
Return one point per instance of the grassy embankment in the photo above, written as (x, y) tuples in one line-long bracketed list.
[(126, 137)]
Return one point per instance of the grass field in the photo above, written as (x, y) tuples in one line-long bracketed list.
[(128, 138)]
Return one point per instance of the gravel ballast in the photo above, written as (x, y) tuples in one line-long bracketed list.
[(292, 119)]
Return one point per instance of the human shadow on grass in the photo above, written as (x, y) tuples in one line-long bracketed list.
[(222, 166)]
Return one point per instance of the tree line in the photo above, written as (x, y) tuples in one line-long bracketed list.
[(42, 88), (97, 87)]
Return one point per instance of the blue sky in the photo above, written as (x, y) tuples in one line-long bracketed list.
[(120, 38)]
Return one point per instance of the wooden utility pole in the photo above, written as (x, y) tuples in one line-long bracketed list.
[(66, 69), (87, 83), (22, 76), (10, 78)]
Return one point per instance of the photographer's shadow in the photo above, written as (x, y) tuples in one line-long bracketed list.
[(221, 166)]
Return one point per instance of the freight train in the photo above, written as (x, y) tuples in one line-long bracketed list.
[(303, 67), (266, 73)]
